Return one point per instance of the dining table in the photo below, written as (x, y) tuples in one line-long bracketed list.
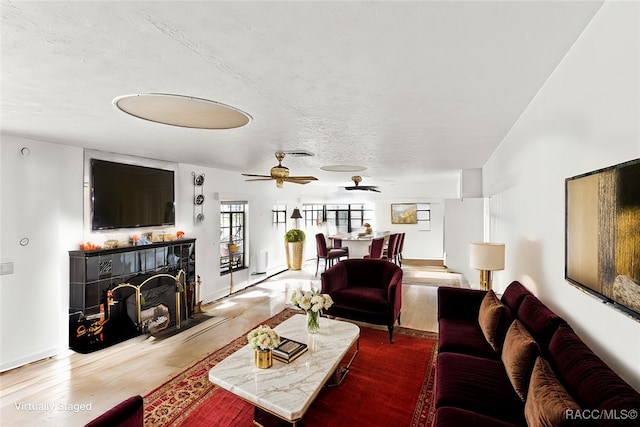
[(358, 243)]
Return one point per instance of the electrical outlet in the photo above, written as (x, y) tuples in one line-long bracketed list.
[(6, 268)]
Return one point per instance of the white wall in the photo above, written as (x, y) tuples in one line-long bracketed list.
[(41, 202), (464, 223), (585, 117)]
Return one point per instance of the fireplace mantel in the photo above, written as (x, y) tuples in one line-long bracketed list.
[(93, 273)]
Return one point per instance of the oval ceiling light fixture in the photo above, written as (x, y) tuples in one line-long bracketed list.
[(183, 111), (343, 168)]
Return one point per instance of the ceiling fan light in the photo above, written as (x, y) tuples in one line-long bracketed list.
[(280, 183)]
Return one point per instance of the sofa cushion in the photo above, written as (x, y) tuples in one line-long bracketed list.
[(548, 403), (587, 378), (491, 315), (478, 385), (459, 303), (461, 336), (539, 320), (456, 417), (518, 355), (513, 296)]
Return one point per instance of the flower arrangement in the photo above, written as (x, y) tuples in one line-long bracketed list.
[(312, 302), (263, 338)]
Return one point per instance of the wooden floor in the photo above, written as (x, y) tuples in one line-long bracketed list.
[(53, 391)]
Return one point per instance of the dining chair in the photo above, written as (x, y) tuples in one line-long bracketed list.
[(376, 248), (391, 248), (329, 255), (399, 247)]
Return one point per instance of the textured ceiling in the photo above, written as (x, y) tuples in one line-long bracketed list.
[(403, 88)]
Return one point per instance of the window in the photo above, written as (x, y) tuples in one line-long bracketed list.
[(279, 220), (424, 216), (345, 217), (232, 236), (279, 214), (313, 214)]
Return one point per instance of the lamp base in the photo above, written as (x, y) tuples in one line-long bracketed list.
[(485, 280)]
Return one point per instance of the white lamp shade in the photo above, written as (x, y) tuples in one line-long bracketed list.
[(487, 256)]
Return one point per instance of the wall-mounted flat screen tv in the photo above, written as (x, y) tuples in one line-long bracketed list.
[(130, 196), (602, 252)]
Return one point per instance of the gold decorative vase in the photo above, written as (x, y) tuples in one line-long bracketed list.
[(263, 359), (294, 251)]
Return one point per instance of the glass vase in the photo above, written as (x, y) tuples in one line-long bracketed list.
[(313, 321)]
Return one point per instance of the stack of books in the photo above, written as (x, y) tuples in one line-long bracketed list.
[(289, 350)]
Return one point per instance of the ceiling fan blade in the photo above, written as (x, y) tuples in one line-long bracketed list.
[(304, 178), (363, 188), (295, 181), (260, 176), (259, 179)]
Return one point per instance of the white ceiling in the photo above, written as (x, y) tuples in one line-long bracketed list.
[(403, 88)]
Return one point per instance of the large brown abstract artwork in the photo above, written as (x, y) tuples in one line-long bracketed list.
[(602, 253)]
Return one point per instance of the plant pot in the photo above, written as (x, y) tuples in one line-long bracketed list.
[(294, 252)]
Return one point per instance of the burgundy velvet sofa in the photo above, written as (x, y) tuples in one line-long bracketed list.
[(473, 387), (365, 290)]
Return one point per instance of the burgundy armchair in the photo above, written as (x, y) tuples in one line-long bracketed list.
[(365, 290), (129, 413)]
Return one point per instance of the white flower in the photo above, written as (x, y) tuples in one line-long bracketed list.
[(263, 338), (311, 300)]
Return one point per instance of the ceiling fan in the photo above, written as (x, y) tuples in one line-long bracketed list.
[(357, 180), (281, 174)]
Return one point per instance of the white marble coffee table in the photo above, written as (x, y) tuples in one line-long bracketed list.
[(287, 390)]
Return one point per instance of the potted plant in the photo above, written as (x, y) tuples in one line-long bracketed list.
[(294, 245)]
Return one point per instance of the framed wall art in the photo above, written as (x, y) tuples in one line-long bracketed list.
[(404, 213), (602, 235)]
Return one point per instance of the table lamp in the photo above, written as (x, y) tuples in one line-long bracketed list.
[(486, 257)]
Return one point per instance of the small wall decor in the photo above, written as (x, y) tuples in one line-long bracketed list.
[(198, 198), (404, 213)]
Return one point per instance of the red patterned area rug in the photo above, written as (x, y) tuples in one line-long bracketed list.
[(387, 385)]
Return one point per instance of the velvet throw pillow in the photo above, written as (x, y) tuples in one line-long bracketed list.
[(519, 353), (548, 402), (491, 311)]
